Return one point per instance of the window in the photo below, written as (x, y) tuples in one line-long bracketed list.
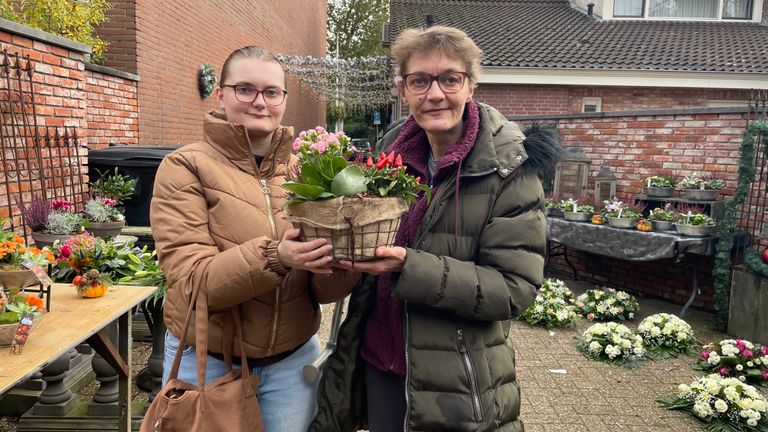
[(591, 104), (690, 9)]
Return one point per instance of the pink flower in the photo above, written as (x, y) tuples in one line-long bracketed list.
[(764, 350), (723, 371), (321, 146), (746, 353), (302, 134), (765, 375), (704, 355), (61, 204), (297, 144), (740, 345), (320, 129), (590, 316), (65, 251), (109, 202)]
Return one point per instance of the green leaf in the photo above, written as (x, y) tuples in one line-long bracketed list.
[(308, 191), (349, 182)]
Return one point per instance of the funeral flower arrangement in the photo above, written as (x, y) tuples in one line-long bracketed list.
[(604, 304), (738, 358), (724, 404), (660, 180), (694, 181), (620, 209), (666, 335), (552, 307), (578, 205), (666, 214), (611, 342)]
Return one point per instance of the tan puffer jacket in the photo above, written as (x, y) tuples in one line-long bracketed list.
[(216, 221)]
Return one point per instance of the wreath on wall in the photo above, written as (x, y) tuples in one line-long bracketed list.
[(206, 80), (722, 268)]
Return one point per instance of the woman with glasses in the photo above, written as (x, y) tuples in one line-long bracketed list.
[(425, 345), (215, 222)]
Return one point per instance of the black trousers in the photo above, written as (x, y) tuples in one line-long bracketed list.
[(386, 400)]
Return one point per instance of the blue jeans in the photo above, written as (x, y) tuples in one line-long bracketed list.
[(287, 402)]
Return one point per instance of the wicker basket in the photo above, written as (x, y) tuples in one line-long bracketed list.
[(7, 331), (16, 279), (354, 226)]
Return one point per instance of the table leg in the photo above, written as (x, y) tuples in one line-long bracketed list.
[(694, 289), (124, 381)]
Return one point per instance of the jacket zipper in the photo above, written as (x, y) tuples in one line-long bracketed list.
[(473, 388), (407, 368), (273, 337)]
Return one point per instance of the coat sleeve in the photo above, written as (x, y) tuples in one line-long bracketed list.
[(501, 283), (189, 255)]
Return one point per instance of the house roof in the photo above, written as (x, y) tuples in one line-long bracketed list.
[(552, 34)]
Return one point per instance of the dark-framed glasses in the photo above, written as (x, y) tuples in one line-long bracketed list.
[(247, 93), (449, 82)]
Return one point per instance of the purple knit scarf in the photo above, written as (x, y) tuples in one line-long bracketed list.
[(383, 343)]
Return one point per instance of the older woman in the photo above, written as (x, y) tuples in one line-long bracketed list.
[(424, 346)]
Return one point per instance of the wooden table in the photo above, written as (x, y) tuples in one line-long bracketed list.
[(71, 321)]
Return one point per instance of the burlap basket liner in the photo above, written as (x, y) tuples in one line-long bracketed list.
[(8, 331), (17, 279), (354, 226)]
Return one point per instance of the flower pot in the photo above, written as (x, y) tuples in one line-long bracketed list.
[(662, 225), (16, 279), (622, 222), (8, 331), (45, 239), (577, 216), (354, 226), (696, 230), (660, 192), (701, 194), (105, 230)]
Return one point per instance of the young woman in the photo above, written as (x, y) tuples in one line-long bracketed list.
[(215, 224), (425, 343)]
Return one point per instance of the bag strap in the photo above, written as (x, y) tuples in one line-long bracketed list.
[(201, 336), (177, 358), (233, 324)]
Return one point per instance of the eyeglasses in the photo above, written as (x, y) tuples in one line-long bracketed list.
[(247, 94), (420, 82)]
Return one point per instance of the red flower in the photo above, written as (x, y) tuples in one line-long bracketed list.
[(65, 251), (705, 355), (723, 371), (391, 158), (399, 161), (369, 164)]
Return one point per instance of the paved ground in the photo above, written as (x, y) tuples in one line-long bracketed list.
[(591, 396)]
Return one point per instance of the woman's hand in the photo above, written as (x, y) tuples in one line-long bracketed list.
[(389, 260), (314, 255)]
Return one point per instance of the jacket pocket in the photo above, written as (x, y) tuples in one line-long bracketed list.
[(469, 367)]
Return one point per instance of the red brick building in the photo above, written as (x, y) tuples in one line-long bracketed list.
[(165, 42)]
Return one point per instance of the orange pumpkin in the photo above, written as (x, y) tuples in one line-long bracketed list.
[(597, 219), (644, 225), (94, 291)]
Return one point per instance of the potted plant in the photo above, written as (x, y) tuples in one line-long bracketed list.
[(102, 217), (17, 260), (659, 186), (51, 222), (621, 214), (114, 186), (663, 218), (551, 205), (14, 305), (356, 208), (701, 188), (696, 224), (578, 209)]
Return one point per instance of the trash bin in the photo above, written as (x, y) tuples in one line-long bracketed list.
[(139, 162)]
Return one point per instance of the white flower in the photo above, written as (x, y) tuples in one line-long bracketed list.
[(595, 347), (713, 387), (739, 367), (655, 331), (631, 315), (749, 364), (742, 378), (639, 351), (752, 422), (683, 388), (713, 358), (721, 406)]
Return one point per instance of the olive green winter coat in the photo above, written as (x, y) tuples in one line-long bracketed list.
[(459, 292)]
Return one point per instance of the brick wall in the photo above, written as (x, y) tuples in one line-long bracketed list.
[(537, 99), (112, 110), (174, 37), (636, 147), (120, 31)]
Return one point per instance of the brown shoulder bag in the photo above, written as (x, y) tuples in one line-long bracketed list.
[(227, 404)]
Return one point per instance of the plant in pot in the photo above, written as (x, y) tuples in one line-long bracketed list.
[(102, 217), (663, 218), (356, 208), (694, 222), (659, 186), (621, 214), (701, 188), (578, 209), (114, 186), (14, 305), (551, 205), (89, 263), (51, 222), (17, 260)]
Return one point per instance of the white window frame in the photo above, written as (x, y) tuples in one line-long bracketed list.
[(756, 15), (597, 101)]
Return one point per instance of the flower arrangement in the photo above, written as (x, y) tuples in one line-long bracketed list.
[(550, 203), (578, 205), (660, 181), (620, 209), (724, 404), (694, 181), (665, 336), (84, 252), (552, 307), (14, 251), (56, 217), (114, 186), (605, 304), (611, 342), (14, 305), (325, 173), (666, 214), (737, 358), (695, 218), (102, 210), (92, 284)]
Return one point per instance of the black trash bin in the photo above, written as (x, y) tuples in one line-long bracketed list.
[(139, 162)]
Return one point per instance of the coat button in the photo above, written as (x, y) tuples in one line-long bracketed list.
[(504, 170), (518, 157)]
